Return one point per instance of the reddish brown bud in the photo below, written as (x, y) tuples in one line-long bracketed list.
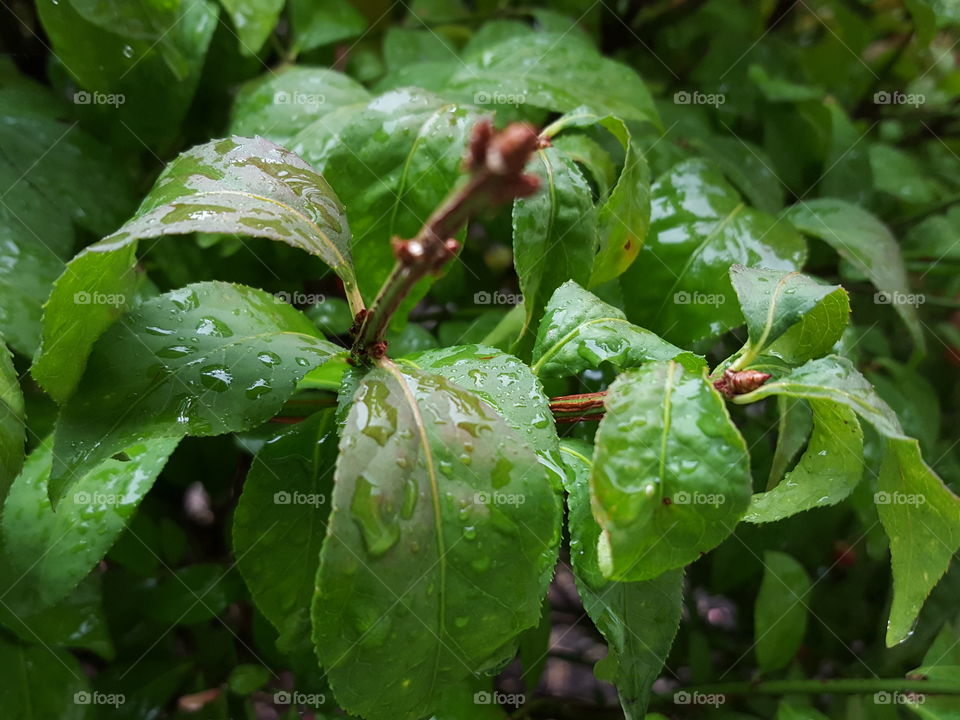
[(739, 382), (509, 150), (479, 141)]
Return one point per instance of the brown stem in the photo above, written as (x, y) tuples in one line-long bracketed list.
[(495, 161)]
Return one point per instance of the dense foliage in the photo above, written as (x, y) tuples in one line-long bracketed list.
[(668, 427)]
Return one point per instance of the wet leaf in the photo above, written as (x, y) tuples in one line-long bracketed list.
[(776, 304), (638, 619), (315, 24), (253, 21), (554, 72), (206, 359), (281, 520), (579, 331), (868, 245), (33, 671), (780, 614), (827, 472), (395, 160), (54, 551), (920, 515), (678, 285), (13, 429), (554, 232), (443, 537), (671, 473), (624, 216), (236, 185), (281, 103)]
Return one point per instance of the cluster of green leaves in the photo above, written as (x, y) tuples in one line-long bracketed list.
[(393, 547)]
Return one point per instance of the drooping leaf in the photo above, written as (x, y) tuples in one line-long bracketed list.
[(315, 24), (206, 359), (253, 20), (236, 185), (638, 619), (826, 473), (670, 475), (12, 422), (775, 303), (281, 520), (678, 285), (580, 331), (920, 515), (278, 105), (780, 614), (554, 232), (395, 160), (868, 245), (793, 431), (551, 71), (624, 216), (144, 56), (54, 551), (443, 536), (33, 671)]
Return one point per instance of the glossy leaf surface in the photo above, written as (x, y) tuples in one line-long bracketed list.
[(206, 359), (443, 535), (671, 473), (780, 615)]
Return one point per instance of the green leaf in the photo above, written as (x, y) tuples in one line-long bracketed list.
[(144, 56), (245, 679), (554, 232), (54, 551), (671, 473), (747, 167), (315, 24), (41, 683), (206, 359), (624, 216), (551, 71), (236, 185), (827, 472), (638, 619), (780, 614), (579, 331), (793, 431), (868, 245), (592, 156), (281, 520), (774, 303), (77, 621), (13, 429), (507, 385), (253, 21), (443, 537), (395, 159), (920, 515), (678, 285), (922, 519), (279, 104)]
